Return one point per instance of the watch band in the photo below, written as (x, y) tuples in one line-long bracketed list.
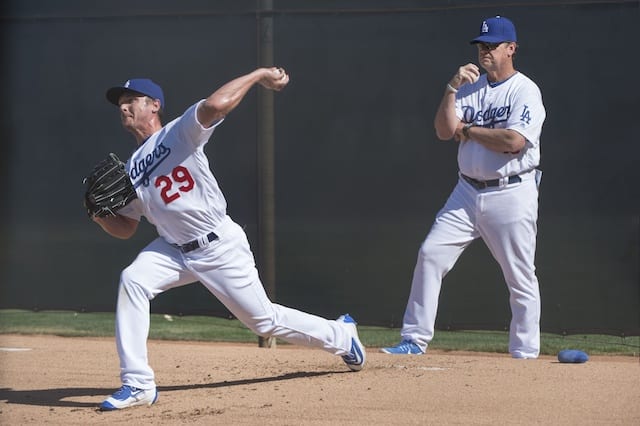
[(465, 129)]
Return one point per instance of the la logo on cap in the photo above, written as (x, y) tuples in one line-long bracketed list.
[(127, 83), (496, 30)]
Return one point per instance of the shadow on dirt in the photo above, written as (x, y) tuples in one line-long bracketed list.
[(63, 397)]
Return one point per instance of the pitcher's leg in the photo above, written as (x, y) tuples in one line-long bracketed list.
[(295, 326), (227, 269), (132, 329), (153, 271)]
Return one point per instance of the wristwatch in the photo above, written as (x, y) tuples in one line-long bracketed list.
[(465, 129)]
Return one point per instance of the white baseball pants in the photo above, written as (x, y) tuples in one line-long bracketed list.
[(226, 268), (505, 218)]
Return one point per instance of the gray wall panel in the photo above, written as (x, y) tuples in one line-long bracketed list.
[(359, 172)]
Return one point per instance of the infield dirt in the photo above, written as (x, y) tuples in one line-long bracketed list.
[(60, 381)]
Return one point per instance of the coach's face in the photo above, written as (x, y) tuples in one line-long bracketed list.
[(492, 56)]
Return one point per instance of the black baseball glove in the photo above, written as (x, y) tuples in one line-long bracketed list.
[(108, 188)]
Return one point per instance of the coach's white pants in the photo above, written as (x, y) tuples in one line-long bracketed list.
[(226, 268), (506, 220)]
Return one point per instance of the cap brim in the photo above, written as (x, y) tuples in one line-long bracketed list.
[(488, 39), (113, 94)]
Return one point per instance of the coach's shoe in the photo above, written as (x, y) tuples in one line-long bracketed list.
[(356, 358), (523, 355), (406, 347), (128, 396)]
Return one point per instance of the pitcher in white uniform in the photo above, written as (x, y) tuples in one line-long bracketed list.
[(198, 241), (497, 119)]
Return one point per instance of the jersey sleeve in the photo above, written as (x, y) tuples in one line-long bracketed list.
[(528, 112), (192, 130)]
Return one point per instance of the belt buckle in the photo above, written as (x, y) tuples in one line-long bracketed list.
[(202, 241)]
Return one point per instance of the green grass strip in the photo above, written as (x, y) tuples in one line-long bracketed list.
[(214, 329)]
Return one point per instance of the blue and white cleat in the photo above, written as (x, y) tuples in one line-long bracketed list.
[(356, 358), (128, 396), (406, 347)]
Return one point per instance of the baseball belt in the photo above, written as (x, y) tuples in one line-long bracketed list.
[(483, 184), (195, 244)]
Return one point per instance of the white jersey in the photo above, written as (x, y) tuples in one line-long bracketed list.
[(515, 104), (176, 190)]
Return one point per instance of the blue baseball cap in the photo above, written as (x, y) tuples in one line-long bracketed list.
[(496, 30), (143, 86)]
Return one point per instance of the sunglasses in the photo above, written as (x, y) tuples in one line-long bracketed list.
[(489, 46)]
